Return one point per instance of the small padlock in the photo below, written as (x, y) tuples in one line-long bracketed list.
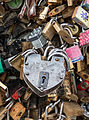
[(74, 53), (27, 94), (81, 17), (72, 109), (17, 111), (21, 69), (87, 58), (20, 90), (68, 12), (81, 65), (66, 85), (48, 31), (16, 62), (84, 74), (54, 2), (66, 37), (83, 85), (68, 93), (26, 45), (57, 10), (43, 15), (2, 97), (37, 39), (70, 2), (84, 38)]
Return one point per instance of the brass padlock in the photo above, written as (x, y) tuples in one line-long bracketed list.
[(2, 97), (67, 89), (72, 109), (16, 62), (84, 74), (26, 45), (53, 96), (66, 84), (70, 2), (48, 31), (27, 95), (66, 37), (28, 119), (71, 64), (17, 111), (68, 12), (57, 10), (54, 2), (87, 58), (87, 55), (2, 113), (81, 65)]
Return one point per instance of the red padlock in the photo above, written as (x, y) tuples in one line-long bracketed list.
[(83, 85), (18, 93)]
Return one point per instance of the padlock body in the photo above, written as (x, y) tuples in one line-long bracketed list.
[(48, 31), (17, 111), (80, 16), (43, 76)]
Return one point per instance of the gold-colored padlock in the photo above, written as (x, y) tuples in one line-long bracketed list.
[(54, 2), (74, 29), (57, 10), (72, 109), (84, 74), (17, 111), (70, 2), (66, 37), (48, 31), (81, 65)]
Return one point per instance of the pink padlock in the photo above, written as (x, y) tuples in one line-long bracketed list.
[(84, 38), (74, 53)]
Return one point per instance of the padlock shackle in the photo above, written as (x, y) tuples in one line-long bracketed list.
[(28, 52), (46, 50), (62, 55)]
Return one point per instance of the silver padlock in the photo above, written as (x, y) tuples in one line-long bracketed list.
[(44, 76), (37, 38)]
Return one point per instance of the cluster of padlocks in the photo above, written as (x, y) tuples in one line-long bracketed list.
[(44, 60)]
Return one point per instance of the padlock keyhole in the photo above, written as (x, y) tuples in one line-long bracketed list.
[(19, 113), (43, 79)]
